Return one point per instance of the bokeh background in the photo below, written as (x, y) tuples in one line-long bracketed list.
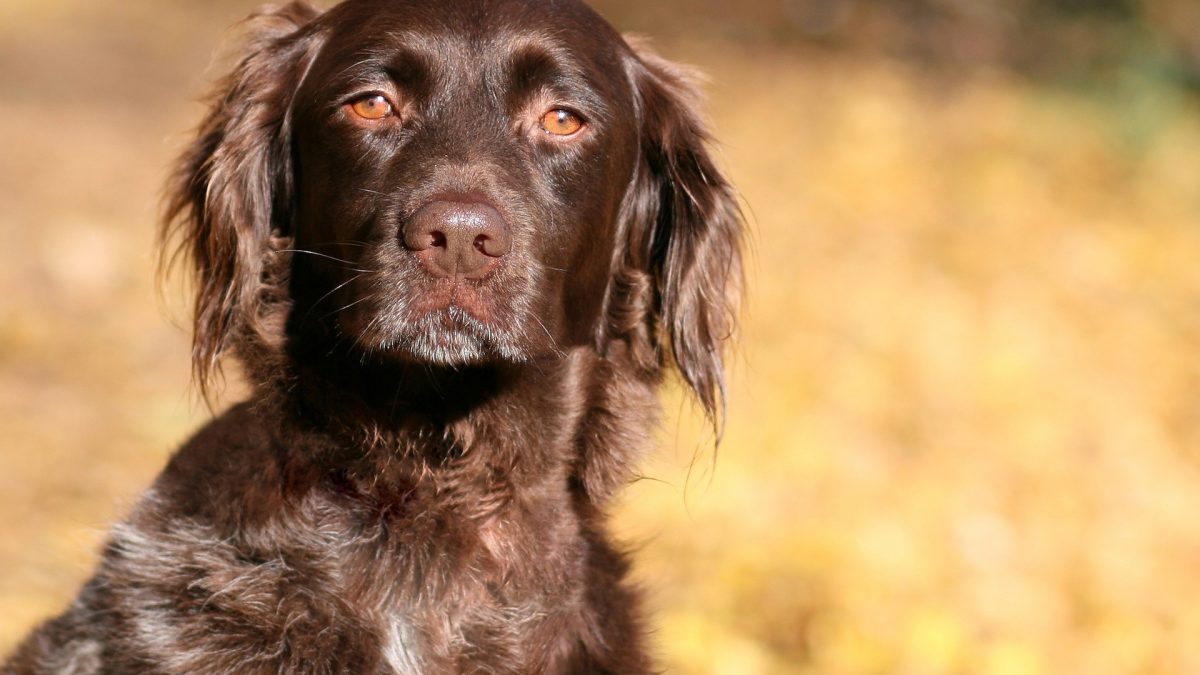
[(965, 420)]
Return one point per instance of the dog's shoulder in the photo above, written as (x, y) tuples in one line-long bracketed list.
[(227, 472)]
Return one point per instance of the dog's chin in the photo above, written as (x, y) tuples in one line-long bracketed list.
[(449, 337)]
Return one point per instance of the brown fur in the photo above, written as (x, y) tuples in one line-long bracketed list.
[(412, 491)]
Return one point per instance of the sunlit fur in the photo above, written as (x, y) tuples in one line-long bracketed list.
[(419, 479)]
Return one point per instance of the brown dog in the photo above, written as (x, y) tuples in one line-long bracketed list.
[(455, 246)]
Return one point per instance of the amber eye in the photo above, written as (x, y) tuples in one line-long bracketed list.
[(559, 122), (373, 107)]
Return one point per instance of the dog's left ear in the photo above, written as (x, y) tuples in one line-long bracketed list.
[(684, 230)]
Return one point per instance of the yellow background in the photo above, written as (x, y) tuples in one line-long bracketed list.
[(965, 404)]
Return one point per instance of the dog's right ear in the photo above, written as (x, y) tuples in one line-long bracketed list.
[(228, 205)]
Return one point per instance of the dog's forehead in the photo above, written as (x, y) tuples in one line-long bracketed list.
[(476, 22), (446, 48)]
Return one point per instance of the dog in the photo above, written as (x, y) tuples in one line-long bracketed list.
[(455, 247)]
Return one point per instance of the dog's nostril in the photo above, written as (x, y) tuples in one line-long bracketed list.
[(493, 247), (437, 239)]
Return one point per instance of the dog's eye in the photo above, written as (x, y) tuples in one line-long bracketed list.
[(559, 122), (372, 107)]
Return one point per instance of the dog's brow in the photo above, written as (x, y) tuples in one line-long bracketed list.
[(526, 47), (405, 53), (405, 66), (420, 42), (540, 62)]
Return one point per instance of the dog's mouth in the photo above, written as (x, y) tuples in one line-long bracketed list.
[(449, 298), (453, 336), (448, 321)]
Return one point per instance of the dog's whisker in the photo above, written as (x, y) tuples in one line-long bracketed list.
[(327, 257), (346, 307), (342, 242), (553, 343), (335, 289)]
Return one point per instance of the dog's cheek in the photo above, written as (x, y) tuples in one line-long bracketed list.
[(597, 193), (584, 288)]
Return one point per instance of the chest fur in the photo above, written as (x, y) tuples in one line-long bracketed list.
[(357, 585)]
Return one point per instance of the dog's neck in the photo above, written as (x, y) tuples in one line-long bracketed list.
[(340, 390), (386, 422)]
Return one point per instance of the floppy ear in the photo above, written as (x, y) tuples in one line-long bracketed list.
[(228, 204), (684, 232)]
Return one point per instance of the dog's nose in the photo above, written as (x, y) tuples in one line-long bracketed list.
[(458, 238)]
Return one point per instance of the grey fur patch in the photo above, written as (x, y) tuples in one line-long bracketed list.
[(78, 657), (399, 648)]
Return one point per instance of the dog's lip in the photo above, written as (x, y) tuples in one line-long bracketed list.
[(448, 294)]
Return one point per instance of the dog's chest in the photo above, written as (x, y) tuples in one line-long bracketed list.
[(442, 590)]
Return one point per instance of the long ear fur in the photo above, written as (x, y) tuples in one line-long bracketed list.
[(228, 204), (685, 232)]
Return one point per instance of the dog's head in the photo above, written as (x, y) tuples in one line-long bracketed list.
[(458, 184)]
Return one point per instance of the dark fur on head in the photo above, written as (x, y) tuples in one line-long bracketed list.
[(419, 480)]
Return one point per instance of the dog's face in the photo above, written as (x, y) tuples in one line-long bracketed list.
[(460, 172), (457, 183)]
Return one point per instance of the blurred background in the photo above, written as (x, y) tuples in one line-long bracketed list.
[(965, 420)]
